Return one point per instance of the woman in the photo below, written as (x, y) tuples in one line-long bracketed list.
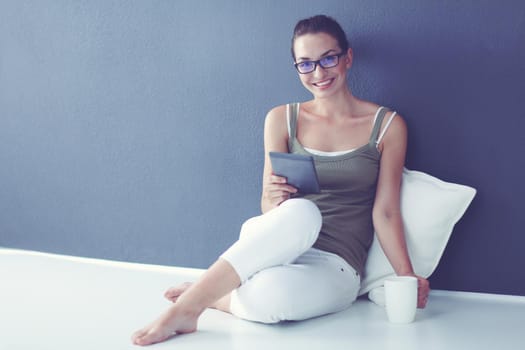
[(303, 257)]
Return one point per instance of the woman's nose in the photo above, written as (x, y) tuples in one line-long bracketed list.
[(319, 71)]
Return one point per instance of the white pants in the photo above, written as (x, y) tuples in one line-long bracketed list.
[(282, 277)]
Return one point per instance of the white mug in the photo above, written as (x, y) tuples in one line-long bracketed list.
[(401, 298)]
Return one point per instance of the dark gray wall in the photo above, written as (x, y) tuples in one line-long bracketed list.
[(132, 130)]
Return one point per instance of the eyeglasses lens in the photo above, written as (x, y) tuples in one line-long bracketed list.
[(306, 66), (329, 61), (325, 62)]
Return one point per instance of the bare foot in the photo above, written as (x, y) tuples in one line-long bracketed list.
[(181, 317), (173, 293), (174, 321)]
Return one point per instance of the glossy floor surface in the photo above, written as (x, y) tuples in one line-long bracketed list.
[(56, 302)]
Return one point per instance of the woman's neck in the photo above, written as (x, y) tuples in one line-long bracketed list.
[(335, 106)]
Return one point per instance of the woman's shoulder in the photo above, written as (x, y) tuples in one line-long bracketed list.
[(277, 110), (276, 127), (277, 113), (373, 108), (276, 119), (392, 121)]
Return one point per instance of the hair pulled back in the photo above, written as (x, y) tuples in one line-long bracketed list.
[(320, 24)]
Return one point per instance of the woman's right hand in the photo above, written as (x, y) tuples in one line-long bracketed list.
[(275, 191)]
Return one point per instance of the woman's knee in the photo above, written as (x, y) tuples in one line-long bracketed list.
[(296, 215), (303, 206), (304, 216), (248, 226)]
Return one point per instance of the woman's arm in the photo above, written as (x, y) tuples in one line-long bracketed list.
[(274, 188), (387, 211)]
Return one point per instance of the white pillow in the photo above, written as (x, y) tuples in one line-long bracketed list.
[(430, 208)]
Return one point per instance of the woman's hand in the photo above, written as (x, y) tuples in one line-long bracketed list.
[(275, 191), (423, 289)]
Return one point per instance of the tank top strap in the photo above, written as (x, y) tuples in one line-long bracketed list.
[(292, 110), (380, 115)]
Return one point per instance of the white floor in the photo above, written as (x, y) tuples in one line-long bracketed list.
[(57, 302)]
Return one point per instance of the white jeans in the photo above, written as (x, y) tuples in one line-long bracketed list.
[(282, 277)]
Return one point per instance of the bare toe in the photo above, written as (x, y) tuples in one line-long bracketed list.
[(174, 320), (153, 336), (138, 335)]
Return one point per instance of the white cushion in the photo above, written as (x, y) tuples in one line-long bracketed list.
[(430, 208)]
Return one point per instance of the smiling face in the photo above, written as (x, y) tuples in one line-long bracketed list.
[(322, 82)]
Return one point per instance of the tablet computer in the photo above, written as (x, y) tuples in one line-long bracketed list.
[(298, 169)]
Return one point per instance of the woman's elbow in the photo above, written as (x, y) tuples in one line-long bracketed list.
[(385, 214)]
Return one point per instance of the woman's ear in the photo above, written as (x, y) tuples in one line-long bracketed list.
[(349, 58)]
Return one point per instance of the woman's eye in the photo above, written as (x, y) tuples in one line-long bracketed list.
[(305, 64), (328, 60)]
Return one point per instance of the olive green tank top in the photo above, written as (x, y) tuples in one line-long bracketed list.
[(348, 187)]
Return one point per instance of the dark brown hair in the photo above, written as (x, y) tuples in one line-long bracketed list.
[(320, 24)]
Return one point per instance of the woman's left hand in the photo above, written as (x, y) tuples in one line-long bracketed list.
[(423, 289)]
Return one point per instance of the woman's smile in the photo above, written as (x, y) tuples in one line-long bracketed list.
[(323, 84)]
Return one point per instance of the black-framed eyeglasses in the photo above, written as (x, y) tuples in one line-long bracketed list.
[(305, 67)]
